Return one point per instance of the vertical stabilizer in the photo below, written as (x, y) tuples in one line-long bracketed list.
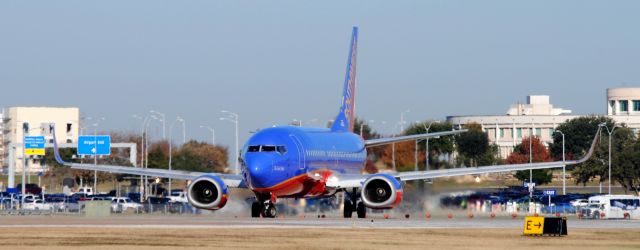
[(344, 120)]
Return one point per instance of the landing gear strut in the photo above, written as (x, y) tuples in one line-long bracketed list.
[(351, 204), (263, 207)]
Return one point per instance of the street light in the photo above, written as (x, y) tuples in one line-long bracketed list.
[(164, 134), (145, 121), (564, 185), (402, 120), (610, 132), (95, 153), (233, 117), (426, 153), (530, 162), (178, 119), (362, 126), (213, 134)]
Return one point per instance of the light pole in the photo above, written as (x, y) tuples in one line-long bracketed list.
[(402, 120), (95, 153), (233, 117), (362, 126), (530, 162), (164, 134), (178, 119), (213, 134), (610, 133), (144, 120), (564, 185), (426, 153)]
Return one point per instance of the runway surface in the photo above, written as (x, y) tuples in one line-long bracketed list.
[(204, 221), (155, 232)]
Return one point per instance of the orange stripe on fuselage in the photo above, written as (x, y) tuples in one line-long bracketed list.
[(300, 185)]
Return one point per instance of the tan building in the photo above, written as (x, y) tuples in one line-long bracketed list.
[(33, 121), (539, 117)]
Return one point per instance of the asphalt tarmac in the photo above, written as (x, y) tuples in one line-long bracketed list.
[(311, 222)]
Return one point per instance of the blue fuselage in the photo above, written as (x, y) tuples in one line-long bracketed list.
[(282, 159)]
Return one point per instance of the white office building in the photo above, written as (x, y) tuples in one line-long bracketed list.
[(34, 121), (538, 116)]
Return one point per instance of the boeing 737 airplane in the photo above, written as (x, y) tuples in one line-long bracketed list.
[(300, 162)]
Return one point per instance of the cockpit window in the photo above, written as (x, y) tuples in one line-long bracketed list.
[(267, 148), (282, 149)]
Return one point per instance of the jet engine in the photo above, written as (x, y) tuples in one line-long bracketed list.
[(381, 191), (207, 192)]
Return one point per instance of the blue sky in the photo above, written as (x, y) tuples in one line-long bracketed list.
[(275, 61)]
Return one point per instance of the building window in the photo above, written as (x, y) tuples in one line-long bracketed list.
[(551, 131), (501, 133), (636, 105), (624, 106), (612, 104), (538, 132), (519, 133)]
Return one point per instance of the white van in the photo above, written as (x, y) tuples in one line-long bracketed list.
[(85, 190), (615, 206)]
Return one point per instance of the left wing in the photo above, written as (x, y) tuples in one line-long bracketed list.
[(354, 181), (231, 180), (383, 141)]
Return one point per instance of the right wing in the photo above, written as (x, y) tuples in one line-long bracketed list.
[(231, 180), (383, 141), (356, 180)]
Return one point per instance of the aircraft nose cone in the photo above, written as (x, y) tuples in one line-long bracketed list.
[(260, 167)]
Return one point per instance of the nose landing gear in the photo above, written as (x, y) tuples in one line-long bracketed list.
[(264, 207)]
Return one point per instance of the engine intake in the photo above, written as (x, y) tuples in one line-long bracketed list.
[(207, 192), (381, 191)]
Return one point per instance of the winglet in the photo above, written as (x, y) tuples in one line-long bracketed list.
[(591, 149), (344, 120), (56, 153)]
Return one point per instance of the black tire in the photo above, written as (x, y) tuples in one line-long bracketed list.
[(596, 215), (361, 210), (348, 209), (255, 209), (270, 210)]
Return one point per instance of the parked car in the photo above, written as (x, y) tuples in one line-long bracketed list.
[(121, 204), (177, 197), (8, 203), (37, 205), (85, 190)]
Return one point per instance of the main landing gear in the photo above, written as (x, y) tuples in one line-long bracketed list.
[(351, 204), (263, 207)]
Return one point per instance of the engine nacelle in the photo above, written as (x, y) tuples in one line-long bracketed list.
[(381, 191), (207, 192)]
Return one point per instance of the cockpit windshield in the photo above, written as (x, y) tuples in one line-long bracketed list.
[(267, 148)]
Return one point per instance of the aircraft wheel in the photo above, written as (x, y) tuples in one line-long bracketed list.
[(270, 210), (361, 210), (255, 209), (348, 208)]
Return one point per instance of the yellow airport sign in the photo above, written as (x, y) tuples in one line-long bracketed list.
[(34, 151), (533, 225)]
